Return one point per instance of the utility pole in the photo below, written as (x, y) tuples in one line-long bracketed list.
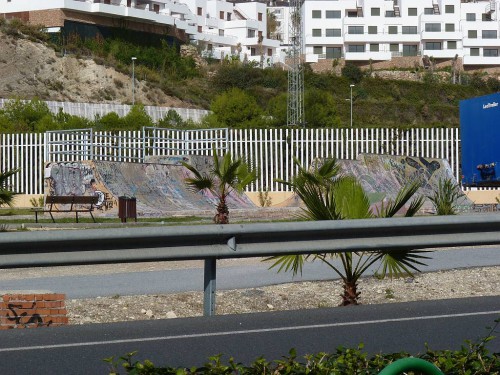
[(295, 101), (133, 79)]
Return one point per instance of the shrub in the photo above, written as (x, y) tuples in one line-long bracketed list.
[(236, 108), (352, 72)]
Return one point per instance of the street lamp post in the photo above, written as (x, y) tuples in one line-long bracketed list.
[(133, 79), (351, 86)]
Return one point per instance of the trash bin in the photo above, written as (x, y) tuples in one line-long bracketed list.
[(127, 208)]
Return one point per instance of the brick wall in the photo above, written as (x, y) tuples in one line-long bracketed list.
[(32, 310)]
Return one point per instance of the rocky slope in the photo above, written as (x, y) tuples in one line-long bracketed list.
[(30, 69)]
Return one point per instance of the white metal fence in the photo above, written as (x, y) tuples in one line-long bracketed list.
[(91, 110), (271, 150)]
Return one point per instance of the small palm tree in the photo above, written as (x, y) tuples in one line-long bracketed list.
[(6, 195), (446, 197), (226, 175), (328, 195)]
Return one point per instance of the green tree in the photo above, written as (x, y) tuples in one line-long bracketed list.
[(137, 118), (320, 110), (235, 108), (352, 72), (225, 176), (329, 195), (6, 194), (171, 120), (446, 197), (27, 116)]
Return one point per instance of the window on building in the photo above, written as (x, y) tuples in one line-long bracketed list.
[(449, 27), (332, 14), (318, 50), (428, 11), (452, 44), (394, 47), (474, 51), (199, 11), (433, 46), (375, 12), (221, 15), (390, 13), (410, 50), (251, 33), (470, 16), (409, 29), (433, 27), (228, 18), (259, 16), (412, 11), (486, 17), (393, 29), (372, 29), (210, 47), (356, 30), (253, 51), (269, 52), (200, 29), (316, 14), (221, 32), (449, 8), (316, 32), (489, 34), (333, 32), (333, 52), (352, 13), (472, 34), (489, 52), (374, 47), (356, 48)]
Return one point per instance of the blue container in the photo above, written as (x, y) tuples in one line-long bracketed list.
[(480, 140)]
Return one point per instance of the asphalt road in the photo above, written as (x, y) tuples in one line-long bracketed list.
[(256, 275), (189, 342)]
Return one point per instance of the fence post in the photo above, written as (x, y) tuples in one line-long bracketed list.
[(209, 287)]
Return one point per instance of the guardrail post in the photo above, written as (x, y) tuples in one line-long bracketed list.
[(411, 364), (209, 287)]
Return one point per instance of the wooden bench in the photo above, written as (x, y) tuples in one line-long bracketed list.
[(76, 203)]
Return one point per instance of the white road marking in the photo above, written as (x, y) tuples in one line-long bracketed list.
[(245, 332)]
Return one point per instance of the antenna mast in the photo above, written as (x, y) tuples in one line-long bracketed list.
[(295, 108)]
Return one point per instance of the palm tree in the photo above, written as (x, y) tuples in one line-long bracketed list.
[(6, 195), (328, 195), (226, 175)]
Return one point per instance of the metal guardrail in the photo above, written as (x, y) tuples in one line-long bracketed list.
[(212, 242)]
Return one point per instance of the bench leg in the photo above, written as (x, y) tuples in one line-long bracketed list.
[(52, 217), (90, 212), (36, 216), (76, 216)]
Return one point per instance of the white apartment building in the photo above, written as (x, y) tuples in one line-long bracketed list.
[(219, 26), (381, 30)]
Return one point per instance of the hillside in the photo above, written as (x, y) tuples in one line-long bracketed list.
[(30, 69)]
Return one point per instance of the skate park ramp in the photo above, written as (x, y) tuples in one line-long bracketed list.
[(159, 188), (382, 176)]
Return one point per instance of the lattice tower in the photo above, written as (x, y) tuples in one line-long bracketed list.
[(295, 108)]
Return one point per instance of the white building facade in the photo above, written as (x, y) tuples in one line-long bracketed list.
[(380, 30), (220, 27)]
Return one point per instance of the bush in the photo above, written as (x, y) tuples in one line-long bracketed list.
[(470, 359), (237, 109), (352, 72)]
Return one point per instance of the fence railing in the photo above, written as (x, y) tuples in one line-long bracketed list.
[(92, 110), (211, 242), (271, 150)]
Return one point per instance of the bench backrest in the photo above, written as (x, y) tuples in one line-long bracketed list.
[(71, 199)]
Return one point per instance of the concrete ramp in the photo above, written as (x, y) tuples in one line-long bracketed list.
[(159, 188)]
